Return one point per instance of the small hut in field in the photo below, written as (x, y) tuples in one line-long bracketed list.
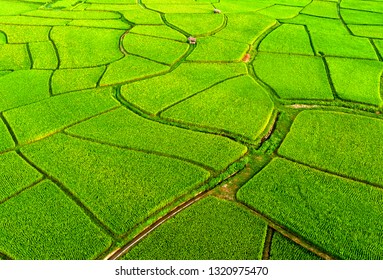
[(192, 40)]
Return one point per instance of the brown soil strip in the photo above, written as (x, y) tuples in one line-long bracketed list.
[(302, 106)]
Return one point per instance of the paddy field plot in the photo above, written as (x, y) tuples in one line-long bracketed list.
[(260, 140)]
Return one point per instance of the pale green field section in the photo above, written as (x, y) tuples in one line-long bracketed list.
[(14, 57), (319, 24), (227, 106), (280, 11), (139, 15), (361, 17), (352, 83), (138, 68), (23, 87), (288, 38), (43, 55), (322, 9), (353, 47), (161, 31), (170, 8), (293, 76), (124, 128), (341, 143), (245, 28), (197, 24), (371, 31), (56, 113), (17, 34), (10, 8), (153, 48), (86, 47), (217, 49), (66, 80), (158, 93), (105, 23)]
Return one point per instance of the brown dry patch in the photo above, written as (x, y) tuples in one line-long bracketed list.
[(302, 106), (246, 58), (226, 191)]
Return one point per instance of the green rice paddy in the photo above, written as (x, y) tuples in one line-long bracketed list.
[(121, 138)]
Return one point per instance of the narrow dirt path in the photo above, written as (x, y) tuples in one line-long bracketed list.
[(121, 251)]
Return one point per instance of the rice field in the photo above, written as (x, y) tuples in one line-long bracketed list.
[(189, 129)]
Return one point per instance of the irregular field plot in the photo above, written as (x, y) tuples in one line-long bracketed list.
[(153, 48), (56, 113), (134, 67), (124, 128), (8, 8), (246, 27), (86, 47), (288, 38), (196, 24), (161, 31), (24, 33), (43, 55), (318, 24), (372, 31), (14, 57), (100, 15), (33, 21), (106, 23), (210, 229), (294, 77), (139, 15), (357, 80), (361, 17), (351, 46), (179, 8), (43, 223), (346, 144), (322, 9), (326, 210), (157, 93), (237, 105), (65, 80), (121, 187), (216, 49), (23, 87), (280, 11)]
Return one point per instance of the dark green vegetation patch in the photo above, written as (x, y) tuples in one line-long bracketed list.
[(327, 210), (285, 249), (122, 187), (210, 229), (43, 223)]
